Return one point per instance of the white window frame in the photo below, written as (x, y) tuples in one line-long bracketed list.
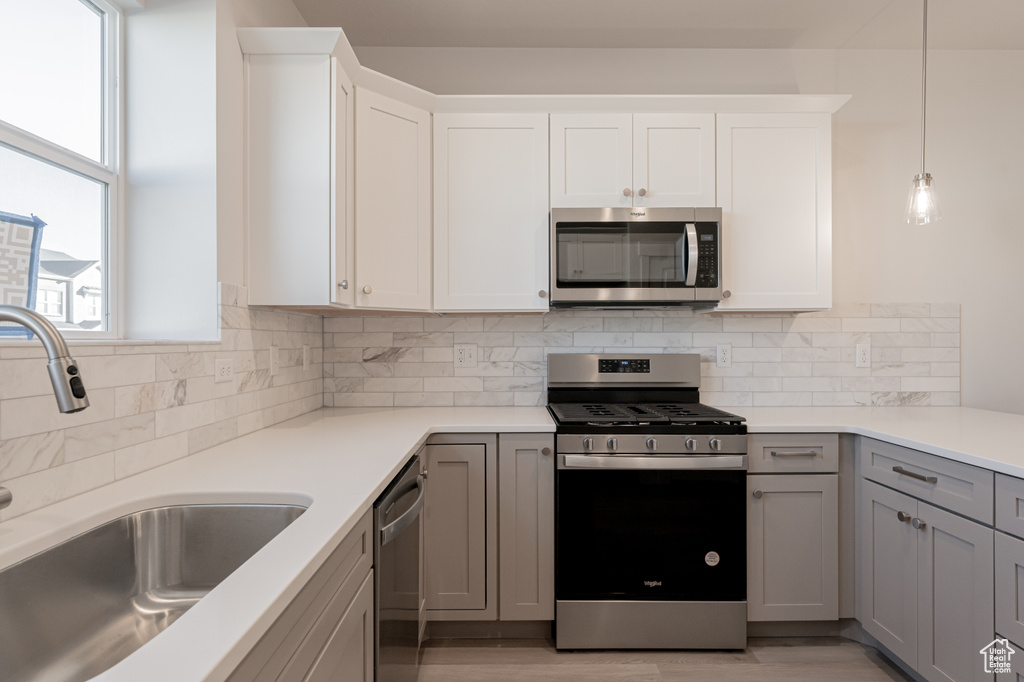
[(107, 171)]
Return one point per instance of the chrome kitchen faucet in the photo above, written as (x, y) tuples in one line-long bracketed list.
[(64, 375)]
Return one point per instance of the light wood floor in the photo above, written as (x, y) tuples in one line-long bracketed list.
[(814, 659)]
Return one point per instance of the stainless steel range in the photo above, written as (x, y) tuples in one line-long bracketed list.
[(650, 506)]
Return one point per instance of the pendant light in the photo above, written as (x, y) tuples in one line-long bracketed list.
[(923, 204)]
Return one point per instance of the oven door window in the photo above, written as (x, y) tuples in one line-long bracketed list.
[(651, 535), (634, 255)]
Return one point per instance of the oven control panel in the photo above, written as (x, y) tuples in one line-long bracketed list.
[(613, 366)]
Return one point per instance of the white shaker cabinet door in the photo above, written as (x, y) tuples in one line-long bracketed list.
[(491, 212), (775, 190), (674, 159), (591, 160), (342, 285), (392, 204)]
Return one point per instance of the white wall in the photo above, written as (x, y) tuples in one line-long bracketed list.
[(975, 144)]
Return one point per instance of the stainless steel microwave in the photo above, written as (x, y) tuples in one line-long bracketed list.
[(636, 257)]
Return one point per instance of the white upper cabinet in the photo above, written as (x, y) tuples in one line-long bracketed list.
[(602, 160), (490, 212), (775, 191), (299, 166), (392, 204)]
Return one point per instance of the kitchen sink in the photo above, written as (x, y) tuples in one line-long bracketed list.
[(76, 609)]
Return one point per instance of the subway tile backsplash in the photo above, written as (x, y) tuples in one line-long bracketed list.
[(780, 359), (151, 403)]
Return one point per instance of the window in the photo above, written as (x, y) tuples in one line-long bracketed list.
[(59, 153)]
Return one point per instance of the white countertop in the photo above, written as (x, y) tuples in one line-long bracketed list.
[(991, 440), (338, 461)]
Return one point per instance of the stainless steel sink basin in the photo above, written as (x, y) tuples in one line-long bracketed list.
[(78, 608)]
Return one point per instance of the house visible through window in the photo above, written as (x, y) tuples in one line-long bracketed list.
[(59, 137)]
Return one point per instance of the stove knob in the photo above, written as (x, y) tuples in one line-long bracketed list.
[(716, 444), (588, 443), (613, 444), (652, 443), (690, 444)]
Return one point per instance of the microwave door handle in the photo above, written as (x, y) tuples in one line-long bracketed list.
[(691, 246)]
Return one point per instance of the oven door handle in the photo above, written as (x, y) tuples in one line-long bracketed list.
[(661, 462), (691, 247)]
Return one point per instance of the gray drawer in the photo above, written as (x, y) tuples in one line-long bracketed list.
[(958, 487), (793, 453), (1010, 505)]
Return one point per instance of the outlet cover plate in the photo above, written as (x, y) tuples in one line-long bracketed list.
[(223, 371), (723, 355), (465, 355), (863, 354)]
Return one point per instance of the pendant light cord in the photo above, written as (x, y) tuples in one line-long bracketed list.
[(924, 80)]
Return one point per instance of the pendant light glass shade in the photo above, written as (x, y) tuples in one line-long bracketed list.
[(922, 204)]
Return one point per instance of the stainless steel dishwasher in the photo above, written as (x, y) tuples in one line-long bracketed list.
[(398, 558)]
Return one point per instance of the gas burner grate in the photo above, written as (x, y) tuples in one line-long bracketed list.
[(607, 414), (692, 413)]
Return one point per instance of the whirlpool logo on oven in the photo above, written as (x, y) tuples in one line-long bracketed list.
[(652, 583)]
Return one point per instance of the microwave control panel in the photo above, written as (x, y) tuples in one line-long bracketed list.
[(707, 255)]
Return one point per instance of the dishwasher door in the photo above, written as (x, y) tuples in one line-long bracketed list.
[(397, 557)]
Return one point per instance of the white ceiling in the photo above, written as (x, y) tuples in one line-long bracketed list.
[(740, 24)]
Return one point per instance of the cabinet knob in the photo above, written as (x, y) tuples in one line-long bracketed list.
[(542, 293), (918, 524), (5, 498), (642, 192), (904, 517), (726, 294), (367, 289), (758, 494), (343, 284), (545, 451), (627, 192)]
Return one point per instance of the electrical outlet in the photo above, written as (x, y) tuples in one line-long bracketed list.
[(223, 370), (863, 354), (723, 355), (275, 360), (465, 355), (305, 357)]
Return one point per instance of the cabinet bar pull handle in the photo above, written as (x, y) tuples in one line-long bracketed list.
[(794, 453), (758, 494), (914, 474)]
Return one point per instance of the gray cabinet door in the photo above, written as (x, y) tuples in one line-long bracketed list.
[(348, 654), (888, 567), (955, 595), (526, 490), (1009, 572), (792, 547), (456, 537)]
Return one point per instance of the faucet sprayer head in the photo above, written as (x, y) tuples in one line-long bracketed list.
[(64, 375)]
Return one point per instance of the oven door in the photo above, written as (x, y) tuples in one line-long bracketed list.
[(651, 534)]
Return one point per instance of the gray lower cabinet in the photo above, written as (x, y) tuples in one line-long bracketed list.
[(489, 524), (326, 632), (526, 523), (460, 527), (792, 547), (926, 584)]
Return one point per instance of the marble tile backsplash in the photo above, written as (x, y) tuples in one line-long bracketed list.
[(151, 403), (777, 358)]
